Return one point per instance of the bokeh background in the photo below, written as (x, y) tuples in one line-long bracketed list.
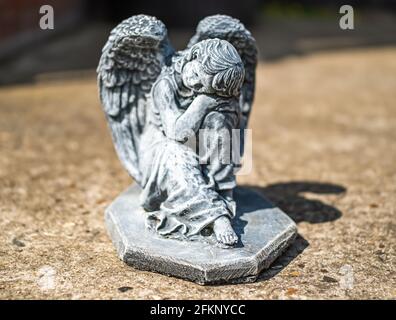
[(324, 151), (282, 27)]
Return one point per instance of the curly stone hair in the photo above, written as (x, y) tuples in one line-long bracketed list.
[(220, 59)]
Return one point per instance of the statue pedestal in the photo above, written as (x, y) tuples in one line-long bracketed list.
[(264, 232)]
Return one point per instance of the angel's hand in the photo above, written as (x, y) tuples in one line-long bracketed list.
[(207, 102)]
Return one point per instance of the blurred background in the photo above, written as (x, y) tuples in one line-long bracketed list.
[(281, 27), (323, 127)]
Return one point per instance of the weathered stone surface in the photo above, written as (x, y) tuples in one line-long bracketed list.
[(264, 232)]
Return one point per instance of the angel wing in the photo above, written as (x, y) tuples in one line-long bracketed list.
[(230, 29), (131, 61)]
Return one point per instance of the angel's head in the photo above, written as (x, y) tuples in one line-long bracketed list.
[(213, 66)]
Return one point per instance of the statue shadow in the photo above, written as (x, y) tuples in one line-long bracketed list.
[(289, 197)]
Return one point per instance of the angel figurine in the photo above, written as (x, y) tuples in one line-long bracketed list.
[(156, 100)]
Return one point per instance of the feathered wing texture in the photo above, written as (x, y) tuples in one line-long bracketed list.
[(131, 61), (232, 30)]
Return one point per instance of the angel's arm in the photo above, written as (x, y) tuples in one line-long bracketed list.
[(180, 125)]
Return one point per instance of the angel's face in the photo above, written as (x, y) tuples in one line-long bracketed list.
[(196, 79)]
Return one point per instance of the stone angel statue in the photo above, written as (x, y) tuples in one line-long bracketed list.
[(156, 100)]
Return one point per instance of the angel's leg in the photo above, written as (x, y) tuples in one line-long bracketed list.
[(188, 204), (215, 149), (216, 152)]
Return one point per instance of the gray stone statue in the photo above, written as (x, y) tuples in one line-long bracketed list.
[(155, 99), (157, 103)]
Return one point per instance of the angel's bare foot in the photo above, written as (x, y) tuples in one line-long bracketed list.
[(224, 232)]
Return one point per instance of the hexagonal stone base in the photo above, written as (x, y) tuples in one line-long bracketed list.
[(264, 232)]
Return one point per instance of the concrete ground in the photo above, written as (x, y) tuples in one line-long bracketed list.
[(324, 132)]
